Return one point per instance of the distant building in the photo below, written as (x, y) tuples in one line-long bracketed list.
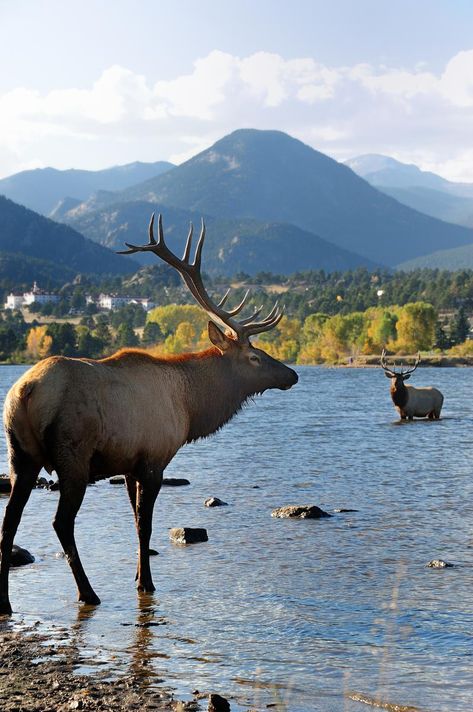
[(115, 301), (35, 296), (14, 301)]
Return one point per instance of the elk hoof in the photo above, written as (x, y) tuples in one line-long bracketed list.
[(91, 599), (146, 587), (5, 608)]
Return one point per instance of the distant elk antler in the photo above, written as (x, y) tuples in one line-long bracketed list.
[(392, 371), (191, 274)]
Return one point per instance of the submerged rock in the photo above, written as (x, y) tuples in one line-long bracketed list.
[(175, 481), (5, 484), (439, 564), (188, 535), (215, 502), (217, 703), (342, 510), (117, 480), (20, 557), (301, 511)]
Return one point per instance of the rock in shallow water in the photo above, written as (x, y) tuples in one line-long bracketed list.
[(300, 511), (20, 557), (439, 564), (175, 481), (217, 703), (5, 484), (188, 535), (117, 480), (215, 502)]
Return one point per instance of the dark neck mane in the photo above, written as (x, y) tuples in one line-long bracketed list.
[(399, 394)]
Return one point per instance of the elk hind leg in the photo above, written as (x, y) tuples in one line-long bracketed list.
[(23, 474), (72, 489), (147, 486)]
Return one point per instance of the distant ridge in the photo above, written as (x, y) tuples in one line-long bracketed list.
[(29, 235), (42, 189), (232, 245)]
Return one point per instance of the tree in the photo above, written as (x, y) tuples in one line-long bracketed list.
[(169, 317), (416, 327), (126, 336), (460, 327), (38, 342), (151, 333), (63, 337), (441, 339)]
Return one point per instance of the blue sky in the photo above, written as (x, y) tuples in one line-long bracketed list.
[(93, 84)]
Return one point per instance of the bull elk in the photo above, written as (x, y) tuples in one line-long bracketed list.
[(129, 414), (412, 402)]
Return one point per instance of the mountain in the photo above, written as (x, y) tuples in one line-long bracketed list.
[(436, 203), (427, 192), (383, 171), (231, 245), (272, 177), (456, 259), (27, 235), (43, 188)]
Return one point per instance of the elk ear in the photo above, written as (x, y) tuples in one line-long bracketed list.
[(387, 375), (218, 338), (408, 375)]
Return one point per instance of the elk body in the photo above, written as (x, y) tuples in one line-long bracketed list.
[(128, 414), (412, 402)]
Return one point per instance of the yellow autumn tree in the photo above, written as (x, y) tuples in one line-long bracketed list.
[(38, 343)]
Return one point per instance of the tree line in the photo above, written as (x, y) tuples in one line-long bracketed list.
[(175, 328)]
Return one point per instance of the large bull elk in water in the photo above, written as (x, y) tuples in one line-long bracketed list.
[(129, 414), (411, 402)]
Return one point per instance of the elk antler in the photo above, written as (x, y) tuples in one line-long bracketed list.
[(402, 372), (191, 274)]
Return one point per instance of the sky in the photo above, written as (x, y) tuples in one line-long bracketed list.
[(97, 83)]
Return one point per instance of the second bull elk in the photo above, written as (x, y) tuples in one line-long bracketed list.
[(412, 402), (129, 414)]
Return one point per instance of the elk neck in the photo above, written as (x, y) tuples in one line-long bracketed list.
[(213, 392), (399, 392)]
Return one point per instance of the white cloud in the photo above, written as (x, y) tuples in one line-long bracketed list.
[(124, 116)]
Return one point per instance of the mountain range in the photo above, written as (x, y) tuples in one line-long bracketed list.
[(271, 177), (270, 202), (424, 191)]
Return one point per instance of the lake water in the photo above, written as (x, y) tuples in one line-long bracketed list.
[(305, 612)]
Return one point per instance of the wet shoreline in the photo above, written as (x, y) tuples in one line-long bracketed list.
[(35, 676)]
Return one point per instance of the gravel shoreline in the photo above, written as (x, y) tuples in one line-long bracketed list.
[(36, 677)]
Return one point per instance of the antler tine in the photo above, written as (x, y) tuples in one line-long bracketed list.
[(187, 249), (249, 319), (416, 363), (383, 364), (265, 325), (239, 307)]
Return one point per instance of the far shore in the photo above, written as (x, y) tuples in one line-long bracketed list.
[(439, 360)]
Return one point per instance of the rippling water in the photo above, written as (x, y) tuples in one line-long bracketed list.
[(300, 611)]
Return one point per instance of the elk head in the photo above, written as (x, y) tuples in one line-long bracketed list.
[(252, 368)]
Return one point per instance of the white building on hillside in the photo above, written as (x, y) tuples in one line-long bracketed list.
[(114, 301), (35, 296)]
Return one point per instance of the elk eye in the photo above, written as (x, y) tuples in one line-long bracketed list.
[(254, 358)]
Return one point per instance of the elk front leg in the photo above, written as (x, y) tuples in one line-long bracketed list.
[(72, 490), (145, 491), (23, 474)]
